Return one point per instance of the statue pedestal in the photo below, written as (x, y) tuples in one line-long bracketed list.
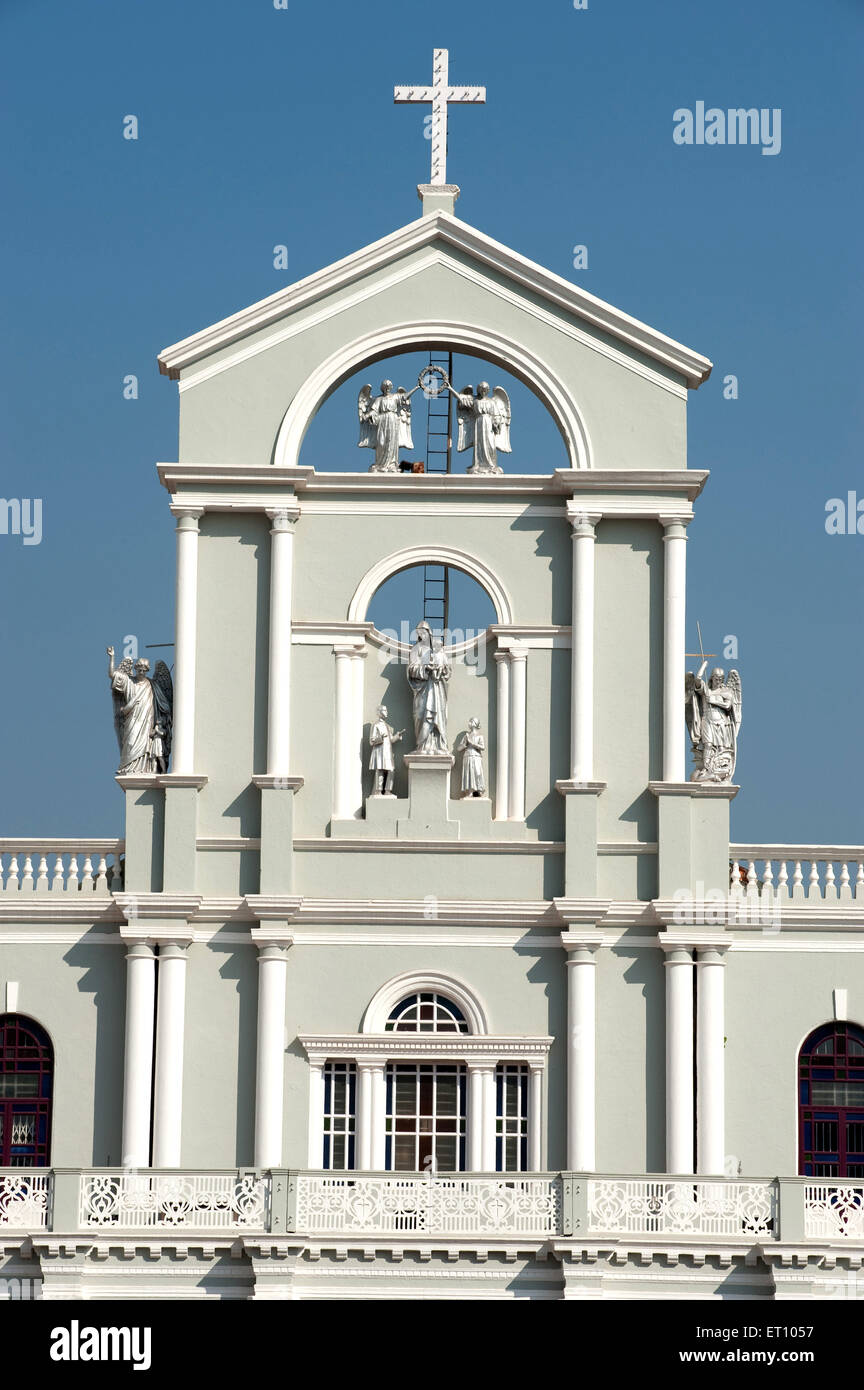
[(428, 798)]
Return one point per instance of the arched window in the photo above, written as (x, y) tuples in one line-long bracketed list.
[(26, 1076), (831, 1102), (426, 1013)]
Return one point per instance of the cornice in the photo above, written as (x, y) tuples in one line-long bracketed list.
[(723, 791), (387, 1046), (452, 232)]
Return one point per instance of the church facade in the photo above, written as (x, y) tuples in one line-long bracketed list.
[(308, 1031)]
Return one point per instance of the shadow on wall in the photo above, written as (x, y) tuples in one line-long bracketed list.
[(104, 977)]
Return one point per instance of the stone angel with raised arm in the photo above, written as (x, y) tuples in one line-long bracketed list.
[(143, 714), (713, 714), (484, 425), (385, 424)]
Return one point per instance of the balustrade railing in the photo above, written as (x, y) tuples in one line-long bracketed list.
[(533, 1206), (797, 873), (24, 1198), (61, 866), (176, 1201), (442, 1206), (682, 1207)]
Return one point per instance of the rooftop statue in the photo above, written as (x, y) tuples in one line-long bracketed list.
[(484, 425), (385, 424), (713, 714), (428, 674), (143, 710)]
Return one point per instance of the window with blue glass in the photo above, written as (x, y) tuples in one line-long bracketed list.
[(511, 1118), (340, 1111), (26, 1084), (831, 1102)]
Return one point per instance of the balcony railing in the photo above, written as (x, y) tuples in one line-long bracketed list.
[(61, 866), (798, 873), (482, 1206)]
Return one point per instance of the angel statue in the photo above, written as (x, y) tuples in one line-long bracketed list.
[(428, 674), (713, 714), (484, 425), (143, 712), (385, 425)]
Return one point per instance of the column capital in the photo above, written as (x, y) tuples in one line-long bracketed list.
[(174, 950), (140, 950), (518, 651), (502, 654), (580, 947), (273, 950), (350, 649), (372, 1063), (284, 519), (482, 1064), (582, 521), (187, 517), (675, 525)]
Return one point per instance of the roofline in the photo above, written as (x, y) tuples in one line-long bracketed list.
[(438, 226)]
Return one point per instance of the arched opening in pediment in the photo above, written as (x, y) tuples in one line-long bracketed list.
[(321, 427)]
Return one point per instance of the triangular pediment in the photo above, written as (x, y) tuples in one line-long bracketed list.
[(447, 237)]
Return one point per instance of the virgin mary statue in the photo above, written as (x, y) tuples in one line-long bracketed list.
[(428, 674)]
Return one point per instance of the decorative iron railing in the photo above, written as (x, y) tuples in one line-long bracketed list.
[(174, 1201), (683, 1207), (61, 866), (834, 1210), (24, 1198), (387, 1204), (481, 1206)]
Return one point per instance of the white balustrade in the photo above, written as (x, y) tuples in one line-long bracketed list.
[(24, 1200), (682, 1207), (833, 1210), (438, 1206), (804, 873), (61, 866), (175, 1201)]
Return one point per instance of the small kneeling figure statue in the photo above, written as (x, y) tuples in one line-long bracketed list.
[(472, 746), (382, 736)]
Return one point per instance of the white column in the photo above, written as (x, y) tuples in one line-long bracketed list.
[(170, 1018), (679, 1059), (710, 1061), (315, 1157), (518, 715), (378, 1117), (489, 1125), (582, 652), (138, 1058), (348, 770), (581, 1046), (535, 1117), (270, 1062), (502, 754), (674, 614), (481, 1117), (185, 637), (279, 679), (371, 1114)]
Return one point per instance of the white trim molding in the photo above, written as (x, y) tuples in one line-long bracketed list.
[(389, 995), (450, 555)]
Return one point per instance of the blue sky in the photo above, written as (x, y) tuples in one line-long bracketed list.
[(261, 127)]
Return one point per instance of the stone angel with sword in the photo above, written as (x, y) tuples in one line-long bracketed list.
[(143, 714), (713, 714)]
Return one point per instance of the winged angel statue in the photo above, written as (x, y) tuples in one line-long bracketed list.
[(143, 713), (713, 714), (484, 425), (385, 425)]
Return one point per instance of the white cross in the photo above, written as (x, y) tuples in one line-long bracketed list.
[(439, 94)]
